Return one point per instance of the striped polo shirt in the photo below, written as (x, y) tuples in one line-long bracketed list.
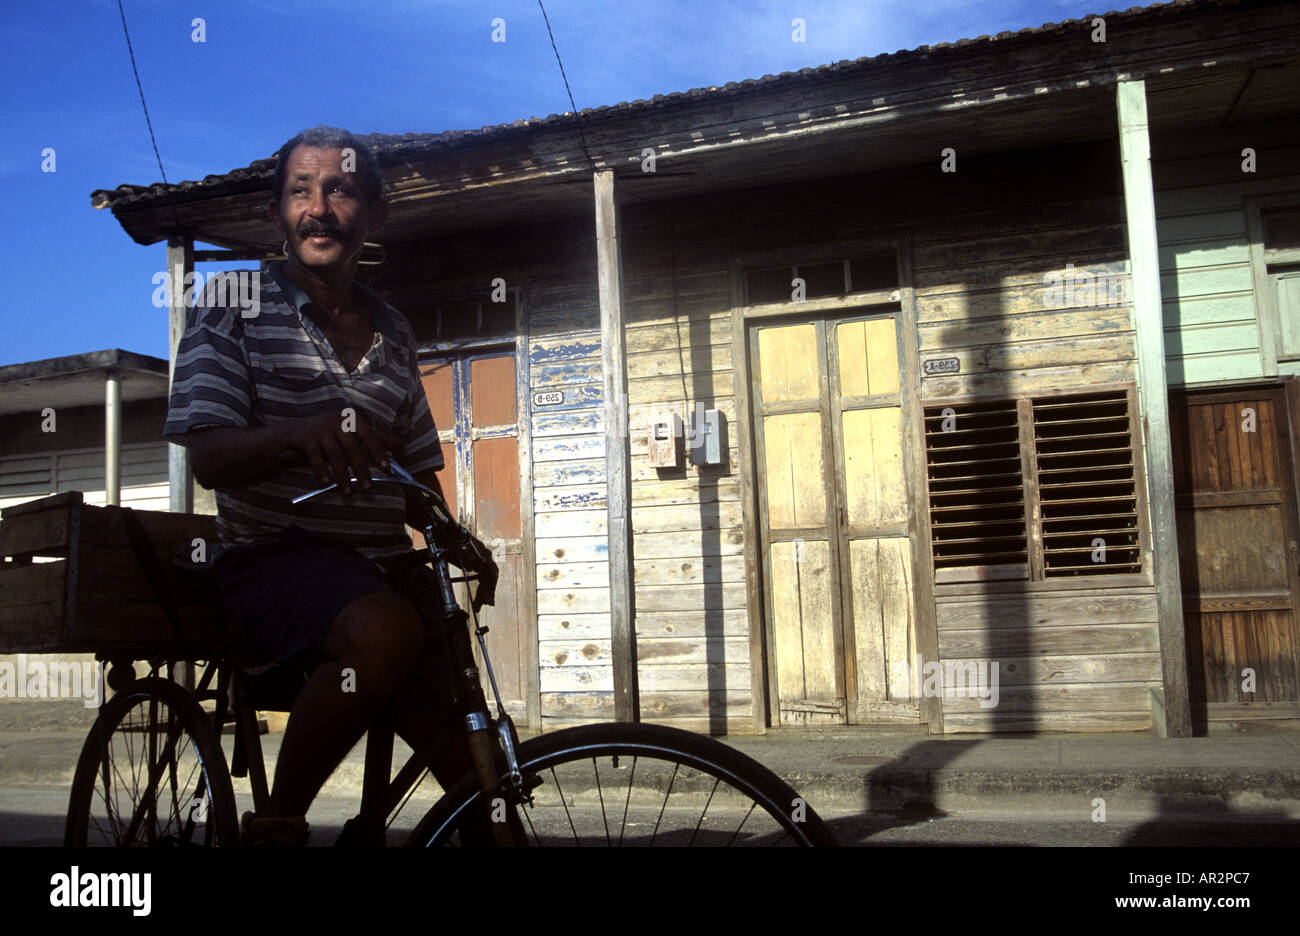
[(277, 365)]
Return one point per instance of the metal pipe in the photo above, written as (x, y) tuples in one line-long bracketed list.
[(180, 263), (113, 438)]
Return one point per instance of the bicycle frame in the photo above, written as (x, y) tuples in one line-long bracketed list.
[(495, 778), (445, 540)]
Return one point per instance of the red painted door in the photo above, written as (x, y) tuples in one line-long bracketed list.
[(473, 399)]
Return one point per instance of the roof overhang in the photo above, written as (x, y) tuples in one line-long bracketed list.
[(1207, 64), (78, 380)]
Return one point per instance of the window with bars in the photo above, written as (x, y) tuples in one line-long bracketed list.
[(822, 279), (1033, 488)]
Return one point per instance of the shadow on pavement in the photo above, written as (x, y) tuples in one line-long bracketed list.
[(1176, 824)]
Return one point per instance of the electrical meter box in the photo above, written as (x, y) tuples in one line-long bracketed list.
[(708, 437), (665, 441)]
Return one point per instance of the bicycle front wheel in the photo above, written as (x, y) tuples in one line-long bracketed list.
[(623, 785), (152, 773)]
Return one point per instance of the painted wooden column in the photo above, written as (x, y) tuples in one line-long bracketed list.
[(180, 264), (1153, 392), (613, 352)]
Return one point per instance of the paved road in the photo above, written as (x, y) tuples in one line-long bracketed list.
[(34, 816)]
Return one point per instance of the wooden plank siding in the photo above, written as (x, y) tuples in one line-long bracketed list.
[(555, 266), (989, 293), (570, 502), (688, 536), (1016, 337), (693, 658), (1212, 333), (980, 278), (573, 591), (1067, 661)]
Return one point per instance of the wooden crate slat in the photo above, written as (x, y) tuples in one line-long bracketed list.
[(32, 607), (53, 502), (98, 598)]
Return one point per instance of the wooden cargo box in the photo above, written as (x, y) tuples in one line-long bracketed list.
[(95, 597)]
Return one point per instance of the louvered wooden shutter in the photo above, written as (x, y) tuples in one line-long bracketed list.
[(1083, 475), (1086, 484), (977, 495)]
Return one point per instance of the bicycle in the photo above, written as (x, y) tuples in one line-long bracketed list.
[(599, 783)]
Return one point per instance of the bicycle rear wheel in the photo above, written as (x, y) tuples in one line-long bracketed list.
[(152, 773), (623, 785)]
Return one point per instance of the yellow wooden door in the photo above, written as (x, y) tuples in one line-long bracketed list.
[(866, 410), (833, 507)]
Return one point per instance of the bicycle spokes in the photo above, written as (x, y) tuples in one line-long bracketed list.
[(150, 787), (608, 801)]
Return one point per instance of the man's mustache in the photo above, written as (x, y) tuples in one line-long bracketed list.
[(320, 230)]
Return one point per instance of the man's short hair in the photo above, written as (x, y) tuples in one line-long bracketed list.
[(367, 169)]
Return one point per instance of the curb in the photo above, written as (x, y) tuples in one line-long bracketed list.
[(1221, 779)]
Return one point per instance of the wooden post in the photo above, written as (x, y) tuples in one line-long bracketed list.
[(113, 437), (180, 263), (1148, 322), (918, 512), (613, 352)]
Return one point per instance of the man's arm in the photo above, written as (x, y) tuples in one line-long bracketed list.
[(226, 456), (429, 478)]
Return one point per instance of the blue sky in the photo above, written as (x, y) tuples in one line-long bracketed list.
[(269, 68)]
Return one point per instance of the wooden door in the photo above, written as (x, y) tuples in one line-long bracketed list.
[(1235, 495), (473, 399), (833, 508)]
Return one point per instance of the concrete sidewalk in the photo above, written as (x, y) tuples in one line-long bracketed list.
[(861, 770)]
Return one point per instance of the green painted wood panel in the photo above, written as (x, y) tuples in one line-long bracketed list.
[(1208, 310), (1202, 368), (1206, 281), (1211, 339), (1231, 222), (1206, 286), (1176, 256)]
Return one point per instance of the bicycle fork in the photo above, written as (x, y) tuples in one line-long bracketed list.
[(497, 791)]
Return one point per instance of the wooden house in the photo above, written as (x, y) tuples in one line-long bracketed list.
[(86, 422), (985, 355)]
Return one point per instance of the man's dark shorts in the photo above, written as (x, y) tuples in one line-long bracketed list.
[(281, 598)]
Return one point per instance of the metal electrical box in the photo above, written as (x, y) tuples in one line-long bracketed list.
[(708, 437), (665, 442)]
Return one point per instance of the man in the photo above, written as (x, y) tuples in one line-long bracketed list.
[(326, 374)]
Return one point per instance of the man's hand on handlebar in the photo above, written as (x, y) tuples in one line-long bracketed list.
[(337, 453), (427, 512), (476, 557)]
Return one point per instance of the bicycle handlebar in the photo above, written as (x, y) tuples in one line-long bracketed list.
[(438, 525)]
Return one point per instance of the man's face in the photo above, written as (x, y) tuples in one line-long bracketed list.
[(323, 212)]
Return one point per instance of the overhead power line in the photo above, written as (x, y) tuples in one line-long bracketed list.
[(572, 105), (141, 89)]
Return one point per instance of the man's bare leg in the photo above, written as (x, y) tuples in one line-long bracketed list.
[(451, 757), (378, 636)]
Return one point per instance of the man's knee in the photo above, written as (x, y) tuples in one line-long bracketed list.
[(380, 636)]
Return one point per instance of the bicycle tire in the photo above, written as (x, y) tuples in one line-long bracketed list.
[(784, 814), (197, 805)]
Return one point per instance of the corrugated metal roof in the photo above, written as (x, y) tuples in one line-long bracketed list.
[(391, 148)]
